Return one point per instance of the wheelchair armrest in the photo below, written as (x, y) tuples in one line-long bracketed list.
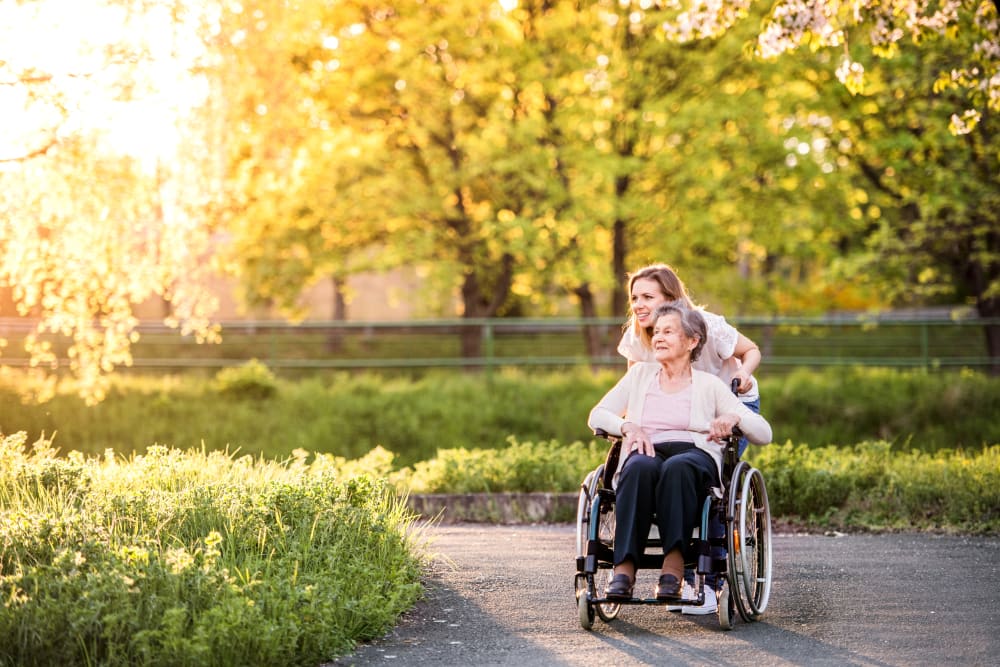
[(601, 433)]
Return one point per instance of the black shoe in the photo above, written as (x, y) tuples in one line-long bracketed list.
[(668, 588), (619, 588)]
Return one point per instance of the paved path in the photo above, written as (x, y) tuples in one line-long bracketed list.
[(504, 596)]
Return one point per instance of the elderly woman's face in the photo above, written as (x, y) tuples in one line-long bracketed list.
[(669, 341)]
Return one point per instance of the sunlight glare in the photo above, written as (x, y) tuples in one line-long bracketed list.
[(68, 62)]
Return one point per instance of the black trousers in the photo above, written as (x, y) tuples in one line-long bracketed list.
[(673, 486)]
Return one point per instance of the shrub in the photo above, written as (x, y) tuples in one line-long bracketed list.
[(195, 558), (251, 380), (875, 485), (546, 466)]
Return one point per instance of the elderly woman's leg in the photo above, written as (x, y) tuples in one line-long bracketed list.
[(683, 484), (634, 505)]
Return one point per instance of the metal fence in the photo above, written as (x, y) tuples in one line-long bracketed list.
[(928, 343)]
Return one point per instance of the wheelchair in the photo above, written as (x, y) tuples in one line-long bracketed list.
[(745, 569)]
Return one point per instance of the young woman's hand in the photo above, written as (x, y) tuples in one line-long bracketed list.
[(745, 382)]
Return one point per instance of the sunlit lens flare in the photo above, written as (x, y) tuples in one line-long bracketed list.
[(85, 66), (101, 176)]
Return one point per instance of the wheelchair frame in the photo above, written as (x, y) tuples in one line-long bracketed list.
[(746, 517)]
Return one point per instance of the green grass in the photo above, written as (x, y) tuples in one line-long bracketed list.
[(250, 410), (150, 540), (195, 558)]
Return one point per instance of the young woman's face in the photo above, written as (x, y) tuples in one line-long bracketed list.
[(646, 296), (669, 341)]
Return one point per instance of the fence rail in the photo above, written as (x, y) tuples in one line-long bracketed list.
[(786, 342)]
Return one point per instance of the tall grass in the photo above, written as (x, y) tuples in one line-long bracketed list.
[(195, 558)]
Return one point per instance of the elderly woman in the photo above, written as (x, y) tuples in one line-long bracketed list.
[(675, 422)]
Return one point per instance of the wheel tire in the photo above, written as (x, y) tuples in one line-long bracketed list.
[(726, 612), (583, 511), (734, 540), (586, 611), (755, 552), (608, 611)]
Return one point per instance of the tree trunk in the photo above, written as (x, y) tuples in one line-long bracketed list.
[(335, 337), (990, 308), (477, 305), (619, 305), (591, 334), (979, 279), (471, 337)]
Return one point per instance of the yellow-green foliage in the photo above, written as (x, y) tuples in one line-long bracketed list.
[(869, 485), (250, 380), (196, 558), (544, 466), (873, 485)]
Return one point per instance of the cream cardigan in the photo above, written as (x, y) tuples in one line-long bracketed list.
[(710, 397)]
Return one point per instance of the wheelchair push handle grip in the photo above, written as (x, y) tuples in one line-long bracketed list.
[(734, 384)]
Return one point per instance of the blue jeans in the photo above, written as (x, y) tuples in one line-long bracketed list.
[(755, 406)]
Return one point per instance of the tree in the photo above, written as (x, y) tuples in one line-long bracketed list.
[(529, 155), (95, 216), (876, 27), (929, 199), (427, 142)]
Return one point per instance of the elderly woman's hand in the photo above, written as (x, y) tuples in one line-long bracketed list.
[(634, 439), (722, 427)]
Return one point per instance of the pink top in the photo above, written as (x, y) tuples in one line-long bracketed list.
[(667, 416)]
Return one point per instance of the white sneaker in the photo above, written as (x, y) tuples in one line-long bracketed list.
[(687, 593), (710, 606)]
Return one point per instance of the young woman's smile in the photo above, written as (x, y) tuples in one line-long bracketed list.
[(646, 296)]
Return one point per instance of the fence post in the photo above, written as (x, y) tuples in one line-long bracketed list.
[(488, 349), (925, 346)]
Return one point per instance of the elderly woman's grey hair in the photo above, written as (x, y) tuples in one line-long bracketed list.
[(692, 323)]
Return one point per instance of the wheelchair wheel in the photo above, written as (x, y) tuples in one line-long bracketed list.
[(585, 609), (604, 512), (749, 543), (609, 610), (726, 611), (588, 491)]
